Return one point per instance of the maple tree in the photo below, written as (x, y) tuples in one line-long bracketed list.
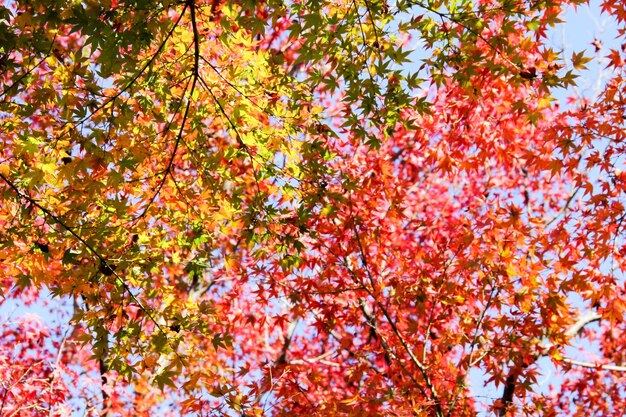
[(308, 207)]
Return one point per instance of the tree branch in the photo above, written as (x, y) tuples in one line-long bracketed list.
[(509, 391), (104, 263), (584, 364), (282, 359), (582, 322), (509, 387), (420, 366)]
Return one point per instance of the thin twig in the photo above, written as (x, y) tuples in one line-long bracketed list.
[(16, 82)]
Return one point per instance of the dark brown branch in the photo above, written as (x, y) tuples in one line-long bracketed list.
[(89, 247), (374, 332), (194, 80), (420, 366), (509, 391), (282, 359), (511, 381), (168, 169)]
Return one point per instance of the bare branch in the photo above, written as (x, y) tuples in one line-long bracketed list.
[(53, 375), (582, 322), (282, 359), (584, 364)]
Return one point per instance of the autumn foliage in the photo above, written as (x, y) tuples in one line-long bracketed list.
[(329, 208)]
